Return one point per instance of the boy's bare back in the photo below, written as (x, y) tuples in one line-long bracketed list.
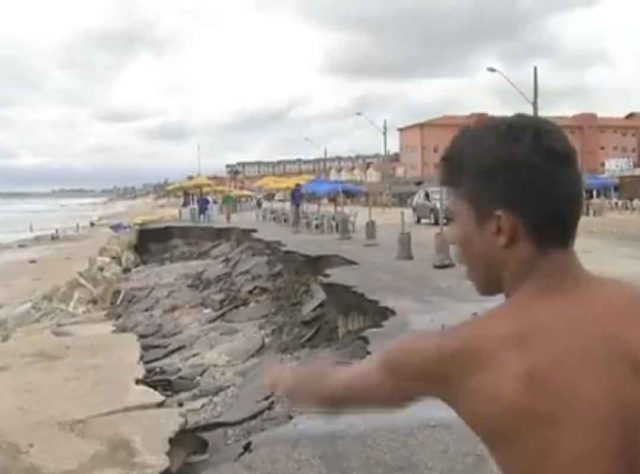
[(556, 388)]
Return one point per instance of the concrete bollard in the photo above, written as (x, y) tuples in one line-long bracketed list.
[(370, 233), (370, 230), (404, 242), (344, 232), (442, 258)]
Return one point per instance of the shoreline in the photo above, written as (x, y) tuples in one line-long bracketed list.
[(30, 267)]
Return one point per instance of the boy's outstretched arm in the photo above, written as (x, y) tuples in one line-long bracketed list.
[(416, 366)]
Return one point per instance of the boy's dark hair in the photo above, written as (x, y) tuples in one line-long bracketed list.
[(524, 165)]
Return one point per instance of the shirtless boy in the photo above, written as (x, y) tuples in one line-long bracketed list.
[(550, 379)]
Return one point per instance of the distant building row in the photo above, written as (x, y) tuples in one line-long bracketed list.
[(605, 145), (351, 168)]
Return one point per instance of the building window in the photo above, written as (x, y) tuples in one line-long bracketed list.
[(633, 134), (603, 148), (615, 148), (624, 134), (602, 164), (633, 150), (602, 130), (436, 149), (615, 130)]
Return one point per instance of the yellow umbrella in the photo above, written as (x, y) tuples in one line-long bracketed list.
[(241, 193), (175, 187), (266, 181), (218, 189), (195, 183), (198, 182)]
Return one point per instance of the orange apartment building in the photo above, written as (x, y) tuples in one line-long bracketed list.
[(605, 145)]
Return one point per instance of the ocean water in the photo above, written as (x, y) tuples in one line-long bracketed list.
[(45, 213)]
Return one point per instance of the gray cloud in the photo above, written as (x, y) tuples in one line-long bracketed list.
[(122, 115), (260, 119), (171, 131), (99, 52), (419, 39), (21, 78), (93, 59)]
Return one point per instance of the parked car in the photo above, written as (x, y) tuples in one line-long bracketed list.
[(425, 205)]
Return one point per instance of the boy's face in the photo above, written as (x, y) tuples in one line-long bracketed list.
[(478, 248)]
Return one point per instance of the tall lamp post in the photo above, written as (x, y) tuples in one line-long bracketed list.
[(324, 150), (370, 227), (533, 102), (199, 162)]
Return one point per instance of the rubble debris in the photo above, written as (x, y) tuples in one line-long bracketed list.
[(210, 305), (251, 312)]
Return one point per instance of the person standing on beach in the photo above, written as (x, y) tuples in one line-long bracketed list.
[(549, 379), (227, 205), (296, 203)]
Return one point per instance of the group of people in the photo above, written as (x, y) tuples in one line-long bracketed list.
[(207, 206)]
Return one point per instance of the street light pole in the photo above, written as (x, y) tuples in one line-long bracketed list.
[(324, 150), (370, 227), (199, 162), (384, 138), (533, 102), (535, 91)]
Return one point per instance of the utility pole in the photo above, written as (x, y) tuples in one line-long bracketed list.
[(385, 151), (535, 91), (199, 162)]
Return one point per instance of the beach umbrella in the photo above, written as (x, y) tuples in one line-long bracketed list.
[(217, 189), (265, 181), (198, 183), (598, 183), (241, 193), (175, 187), (326, 187)]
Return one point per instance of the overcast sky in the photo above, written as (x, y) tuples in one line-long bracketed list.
[(97, 92)]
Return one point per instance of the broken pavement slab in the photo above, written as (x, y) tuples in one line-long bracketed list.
[(240, 348), (97, 370), (318, 296), (251, 312)]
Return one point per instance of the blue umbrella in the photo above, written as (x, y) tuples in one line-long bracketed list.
[(325, 187), (598, 183)]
